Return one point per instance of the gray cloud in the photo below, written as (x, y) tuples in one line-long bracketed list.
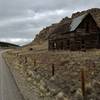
[(20, 20)]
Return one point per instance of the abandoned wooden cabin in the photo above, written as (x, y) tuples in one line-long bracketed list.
[(82, 33)]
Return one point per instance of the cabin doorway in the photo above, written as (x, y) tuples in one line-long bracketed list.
[(62, 45)]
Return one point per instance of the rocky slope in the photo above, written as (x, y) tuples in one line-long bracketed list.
[(62, 25), (43, 35)]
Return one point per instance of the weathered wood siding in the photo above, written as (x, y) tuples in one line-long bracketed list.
[(88, 25), (86, 36)]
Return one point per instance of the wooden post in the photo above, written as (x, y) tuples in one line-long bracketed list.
[(53, 69), (25, 59), (49, 45), (34, 62), (20, 59), (83, 83)]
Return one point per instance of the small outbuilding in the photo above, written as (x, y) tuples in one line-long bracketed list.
[(82, 33)]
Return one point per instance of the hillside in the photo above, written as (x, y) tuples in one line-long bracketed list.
[(42, 37), (62, 25), (5, 45)]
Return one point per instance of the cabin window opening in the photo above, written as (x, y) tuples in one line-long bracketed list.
[(55, 45)]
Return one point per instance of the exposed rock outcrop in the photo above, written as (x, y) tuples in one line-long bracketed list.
[(62, 26)]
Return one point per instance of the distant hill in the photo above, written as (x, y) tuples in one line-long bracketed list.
[(7, 45), (62, 25)]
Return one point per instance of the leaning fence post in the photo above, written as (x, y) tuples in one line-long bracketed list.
[(83, 83), (20, 59), (53, 69)]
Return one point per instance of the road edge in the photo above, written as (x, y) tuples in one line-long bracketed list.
[(6, 62)]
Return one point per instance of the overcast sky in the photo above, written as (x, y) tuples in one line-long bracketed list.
[(21, 20)]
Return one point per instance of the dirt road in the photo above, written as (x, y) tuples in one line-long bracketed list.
[(8, 88)]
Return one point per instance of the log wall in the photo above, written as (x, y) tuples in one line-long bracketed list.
[(86, 36)]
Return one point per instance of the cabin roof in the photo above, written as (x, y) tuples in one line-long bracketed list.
[(69, 26), (76, 21)]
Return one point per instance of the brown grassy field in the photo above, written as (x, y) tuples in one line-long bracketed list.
[(36, 67)]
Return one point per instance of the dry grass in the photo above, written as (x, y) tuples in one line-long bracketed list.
[(67, 69)]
